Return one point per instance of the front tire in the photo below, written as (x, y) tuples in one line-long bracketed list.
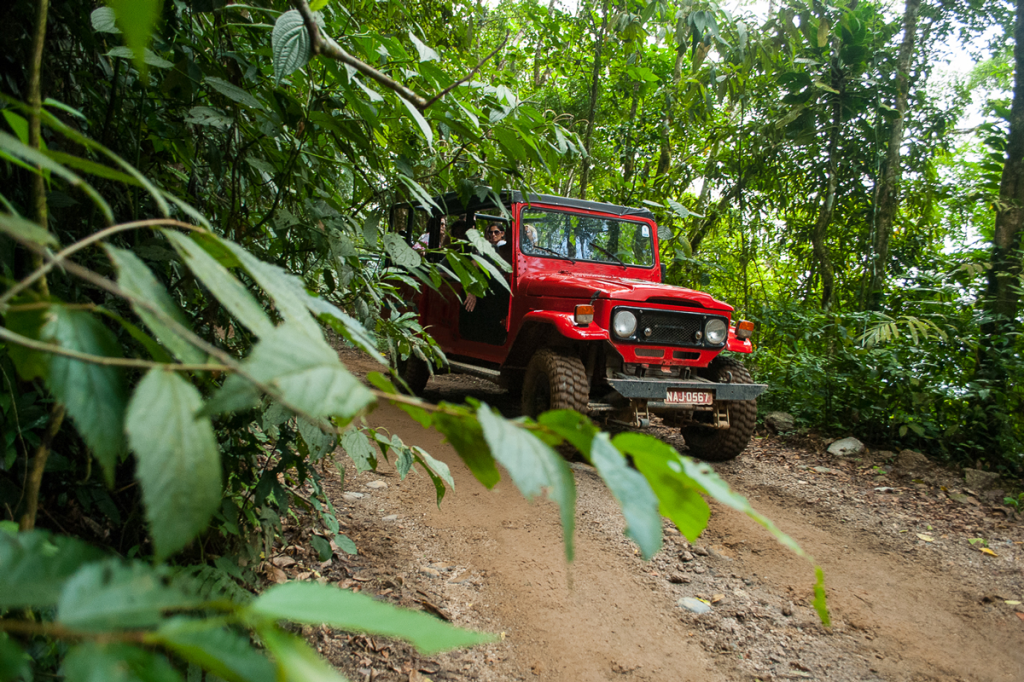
[(415, 373), (554, 382), (721, 445)]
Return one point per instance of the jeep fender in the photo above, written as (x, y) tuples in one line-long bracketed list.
[(738, 345), (566, 325)]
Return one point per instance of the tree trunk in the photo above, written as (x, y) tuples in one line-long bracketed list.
[(592, 109), (1001, 301), (888, 190), (819, 235)]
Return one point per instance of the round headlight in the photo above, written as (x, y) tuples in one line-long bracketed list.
[(716, 331), (624, 324)]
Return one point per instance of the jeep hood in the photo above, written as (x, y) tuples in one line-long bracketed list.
[(583, 286)]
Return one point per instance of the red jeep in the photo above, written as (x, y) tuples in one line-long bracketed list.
[(588, 325)]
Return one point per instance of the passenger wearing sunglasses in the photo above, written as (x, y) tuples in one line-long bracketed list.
[(495, 235)]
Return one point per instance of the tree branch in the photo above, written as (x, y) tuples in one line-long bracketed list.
[(325, 45), (468, 76), (35, 477)]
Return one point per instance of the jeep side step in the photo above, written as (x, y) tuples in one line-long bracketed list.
[(474, 370)]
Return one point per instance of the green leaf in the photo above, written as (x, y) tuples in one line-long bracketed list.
[(113, 595), (318, 5), (137, 279), (533, 466), (315, 604), (15, 664), (156, 351), (93, 395), (37, 158), (137, 19), (685, 472), (345, 544), (437, 470), (104, 21), (285, 290), (678, 495), (318, 442), (208, 116), (321, 547), (233, 92), (639, 505), (221, 284), (178, 459), (401, 254), (486, 249), (26, 230), (304, 370), (148, 56), (91, 167), (421, 122), (36, 564), (291, 44), (223, 652), (115, 662), (427, 53), (28, 323), (296, 661), (355, 443), (467, 437)]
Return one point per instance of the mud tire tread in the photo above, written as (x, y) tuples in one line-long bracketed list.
[(721, 445), (566, 379), (415, 373)]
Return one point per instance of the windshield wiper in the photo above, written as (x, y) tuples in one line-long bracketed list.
[(553, 252), (607, 253)]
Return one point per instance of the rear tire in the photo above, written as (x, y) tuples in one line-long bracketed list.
[(721, 445), (554, 382), (415, 373)]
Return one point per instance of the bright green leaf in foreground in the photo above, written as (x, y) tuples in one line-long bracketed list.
[(639, 505), (137, 20), (137, 279), (315, 604), (296, 661), (116, 662), (111, 595), (533, 466), (304, 371), (178, 459), (94, 395), (26, 230), (35, 565), (223, 652)]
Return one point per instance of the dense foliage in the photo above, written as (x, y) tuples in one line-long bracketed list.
[(185, 185)]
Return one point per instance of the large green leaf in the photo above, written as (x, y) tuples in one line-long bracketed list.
[(357, 446), (678, 495), (116, 662), (291, 44), (178, 459), (94, 395), (678, 479), (104, 20), (137, 279), (421, 123), (25, 230), (313, 603), (296, 661), (34, 566), (401, 254), (223, 652), (137, 19), (30, 364), (221, 283), (639, 505), (233, 92), (286, 290), (466, 436), (15, 664), (304, 370), (112, 595), (534, 467)]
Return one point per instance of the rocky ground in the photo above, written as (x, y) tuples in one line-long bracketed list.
[(924, 575)]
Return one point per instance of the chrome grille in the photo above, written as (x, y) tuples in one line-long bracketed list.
[(668, 328)]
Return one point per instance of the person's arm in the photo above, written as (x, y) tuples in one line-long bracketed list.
[(470, 302)]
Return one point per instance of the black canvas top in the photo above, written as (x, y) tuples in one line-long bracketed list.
[(452, 203)]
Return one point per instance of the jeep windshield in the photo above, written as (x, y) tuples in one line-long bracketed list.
[(547, 233)]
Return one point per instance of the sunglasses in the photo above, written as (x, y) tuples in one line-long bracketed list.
[(490, 232)]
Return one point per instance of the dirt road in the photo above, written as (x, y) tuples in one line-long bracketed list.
[(911, 598)]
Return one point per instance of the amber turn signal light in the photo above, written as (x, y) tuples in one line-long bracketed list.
[(744, 329), (584, 315)]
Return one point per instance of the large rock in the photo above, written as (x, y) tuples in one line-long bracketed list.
[(912, 464), (978, 480), (780, 422), (847, 447)]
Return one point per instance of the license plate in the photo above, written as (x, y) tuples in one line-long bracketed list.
[(678, 397)]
